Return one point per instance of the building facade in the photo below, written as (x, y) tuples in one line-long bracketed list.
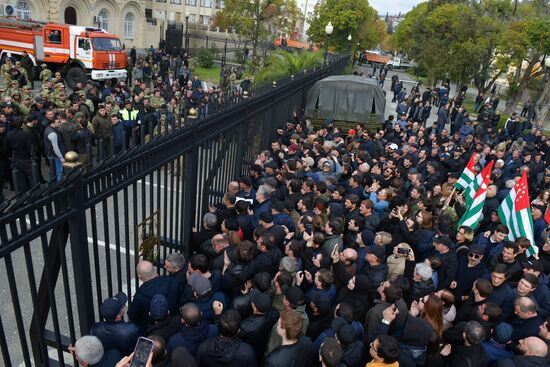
[(307, 7), (139, 23)]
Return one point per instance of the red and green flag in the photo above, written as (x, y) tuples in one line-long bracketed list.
[(515, 213), (475, 207)]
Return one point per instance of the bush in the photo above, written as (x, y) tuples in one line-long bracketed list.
[(205, 58)]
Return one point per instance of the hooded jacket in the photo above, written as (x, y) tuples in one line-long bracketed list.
[(226, 352)]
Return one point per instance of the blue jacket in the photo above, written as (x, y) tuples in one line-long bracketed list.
[(138, 309), (504, 297), (264, 207), (495, 351), (541, 294), (466, 277), (118, 335), (205, 305)]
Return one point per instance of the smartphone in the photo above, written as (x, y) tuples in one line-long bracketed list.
[(401, 250), (309, 229), (144, 347)]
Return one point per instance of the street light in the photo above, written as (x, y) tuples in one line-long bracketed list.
[(349, 42), (328, 30), (187, 15)]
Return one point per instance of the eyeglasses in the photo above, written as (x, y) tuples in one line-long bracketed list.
[(475, 256)]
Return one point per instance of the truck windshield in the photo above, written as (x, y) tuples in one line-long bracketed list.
[(106, 44)]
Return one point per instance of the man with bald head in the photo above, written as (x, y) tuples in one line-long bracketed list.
[(138, 310), (527, 321), (533, 351)]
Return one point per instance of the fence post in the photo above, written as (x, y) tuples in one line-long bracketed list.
[(79, 248)]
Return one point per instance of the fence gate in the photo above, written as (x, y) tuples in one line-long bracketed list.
[(174, 36)]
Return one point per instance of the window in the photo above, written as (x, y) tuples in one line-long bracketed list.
[(129, 25), (103, 19), (191, 2), (192, 18), (84, 43), (106, 44), (175, 1), (207, 3), (23, 10), (53, 36), (178, 17), (205, 20)]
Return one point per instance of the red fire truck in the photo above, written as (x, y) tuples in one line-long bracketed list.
[(77, 52)]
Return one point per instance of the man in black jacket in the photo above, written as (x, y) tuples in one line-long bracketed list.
[(534, 353), (227, 350), (255, 329), (295, 349), (449, 262), (153, 284), (114, 333), (20, 147)]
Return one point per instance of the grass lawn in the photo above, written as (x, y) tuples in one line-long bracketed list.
[(213, 74), (207, 74)]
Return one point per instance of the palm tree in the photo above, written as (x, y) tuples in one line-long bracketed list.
[(282, 63)]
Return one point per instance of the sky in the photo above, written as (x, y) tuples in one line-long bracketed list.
[(393, 6)]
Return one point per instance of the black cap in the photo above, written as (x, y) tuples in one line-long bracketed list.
[(278, 206), (444, 240), (294, 296), (535, 265), (377, 251), (476, 248), (246, 180), (260, 300), (266, 217)]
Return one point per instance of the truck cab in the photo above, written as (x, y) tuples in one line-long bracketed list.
[(99, 54)]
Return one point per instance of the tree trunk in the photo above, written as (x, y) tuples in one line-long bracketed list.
[(512, 101), (521, 79), (542, 105)]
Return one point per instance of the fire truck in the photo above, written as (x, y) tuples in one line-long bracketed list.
[(77, 52)]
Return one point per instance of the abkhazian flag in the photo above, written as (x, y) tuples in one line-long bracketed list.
[(475, 208), (467, 176), (515, 213)]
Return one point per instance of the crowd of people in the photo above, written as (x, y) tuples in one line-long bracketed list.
[(341, 248), (92, 119)]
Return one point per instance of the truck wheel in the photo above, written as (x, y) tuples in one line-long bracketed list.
[(390, 67), (74, 75)]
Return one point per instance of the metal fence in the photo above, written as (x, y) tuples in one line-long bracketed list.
[(68, 245)]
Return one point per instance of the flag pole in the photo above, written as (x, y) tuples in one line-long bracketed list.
[(448, 201)]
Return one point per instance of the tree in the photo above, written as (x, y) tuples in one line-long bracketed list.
[(258, 20), (530, 67), (282, 63), (355, 17)]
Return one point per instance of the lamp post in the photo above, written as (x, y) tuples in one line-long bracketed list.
[(349, 42), (328, 31), (187, 15)]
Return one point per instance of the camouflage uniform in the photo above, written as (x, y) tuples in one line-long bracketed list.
[(5, 70), (45, 74), (157, 102), (13, 88), (27, 92)]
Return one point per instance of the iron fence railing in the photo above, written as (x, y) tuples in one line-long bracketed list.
[(66, 246)]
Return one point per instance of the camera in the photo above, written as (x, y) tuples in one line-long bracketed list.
[(403, 251)]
